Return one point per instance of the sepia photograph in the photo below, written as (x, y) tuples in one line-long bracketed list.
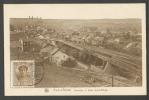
[(81, 49)]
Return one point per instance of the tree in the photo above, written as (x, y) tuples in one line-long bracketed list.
[(12, 28)]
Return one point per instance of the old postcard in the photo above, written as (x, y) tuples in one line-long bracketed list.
[(74, 49)]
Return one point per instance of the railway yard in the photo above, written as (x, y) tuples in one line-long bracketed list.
[(60, 62), (117, 73)]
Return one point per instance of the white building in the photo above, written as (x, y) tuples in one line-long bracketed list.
[(58, 57)]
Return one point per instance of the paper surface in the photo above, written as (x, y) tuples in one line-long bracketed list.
[(74, 49)]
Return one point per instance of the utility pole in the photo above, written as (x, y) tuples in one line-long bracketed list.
[(112, 80)]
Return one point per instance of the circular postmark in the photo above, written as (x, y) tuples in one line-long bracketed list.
[(39, 71)]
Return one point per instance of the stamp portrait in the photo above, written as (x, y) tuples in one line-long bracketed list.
[(22, 73)]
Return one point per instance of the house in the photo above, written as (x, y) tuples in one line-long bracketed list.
[(53, 54), (41, 37), (133, 45), (46, 51), (134, 48), (24, 45), (58, 57), (97, 41), (117, 40)]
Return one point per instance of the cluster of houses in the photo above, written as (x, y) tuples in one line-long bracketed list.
[(37, 38), (54, 53), (121, 41)]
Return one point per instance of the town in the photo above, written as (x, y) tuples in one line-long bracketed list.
[(98, 52)]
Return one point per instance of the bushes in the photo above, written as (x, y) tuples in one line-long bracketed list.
[(69, 62)]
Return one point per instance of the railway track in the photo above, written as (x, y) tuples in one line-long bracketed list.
[(123, 61), (132, 61), (127, 64)]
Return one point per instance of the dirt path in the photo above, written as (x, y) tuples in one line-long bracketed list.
[(59, 77)]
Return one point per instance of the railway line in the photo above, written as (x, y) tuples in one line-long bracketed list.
[(127, 64), (121, 63)]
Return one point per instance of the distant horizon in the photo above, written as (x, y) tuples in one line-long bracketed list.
[(73, 18)]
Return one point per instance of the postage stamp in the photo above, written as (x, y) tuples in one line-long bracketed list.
[(22, 73)]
